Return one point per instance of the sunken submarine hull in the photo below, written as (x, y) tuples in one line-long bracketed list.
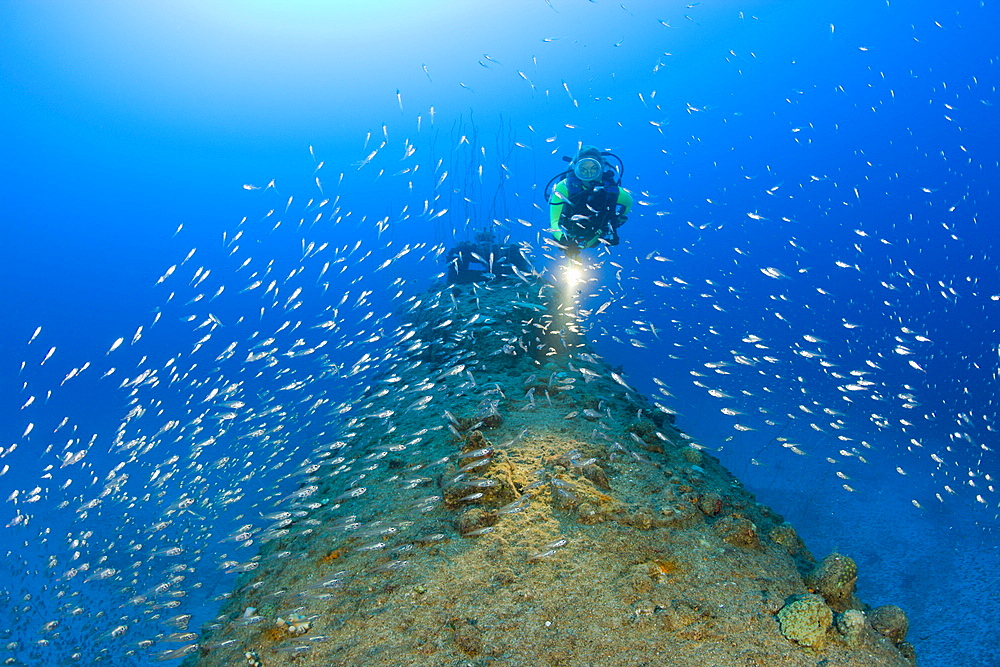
[(501, 496)]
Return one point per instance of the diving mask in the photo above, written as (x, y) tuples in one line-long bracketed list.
[(588, 169)]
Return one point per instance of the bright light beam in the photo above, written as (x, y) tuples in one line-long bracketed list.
[(573, 274)]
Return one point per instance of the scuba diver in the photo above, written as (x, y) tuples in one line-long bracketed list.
[(483, 260), (588, 204)]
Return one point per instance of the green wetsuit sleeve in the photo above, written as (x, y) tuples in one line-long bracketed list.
[(558, 199), (625, 200)]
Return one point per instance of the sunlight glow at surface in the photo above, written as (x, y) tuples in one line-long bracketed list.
[(312, 18), (231, 64)]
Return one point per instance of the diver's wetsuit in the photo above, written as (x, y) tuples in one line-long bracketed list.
[(581, 214)]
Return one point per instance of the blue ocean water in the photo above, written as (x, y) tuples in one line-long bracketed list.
[(810, 270)]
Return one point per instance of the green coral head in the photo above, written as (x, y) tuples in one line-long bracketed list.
[(805, 620)]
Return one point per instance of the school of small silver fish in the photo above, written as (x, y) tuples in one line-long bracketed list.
[(252, 363)]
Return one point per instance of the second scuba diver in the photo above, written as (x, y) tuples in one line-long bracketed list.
[(588, 205)]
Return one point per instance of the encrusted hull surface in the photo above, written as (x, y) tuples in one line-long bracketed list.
[(503, 497)]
